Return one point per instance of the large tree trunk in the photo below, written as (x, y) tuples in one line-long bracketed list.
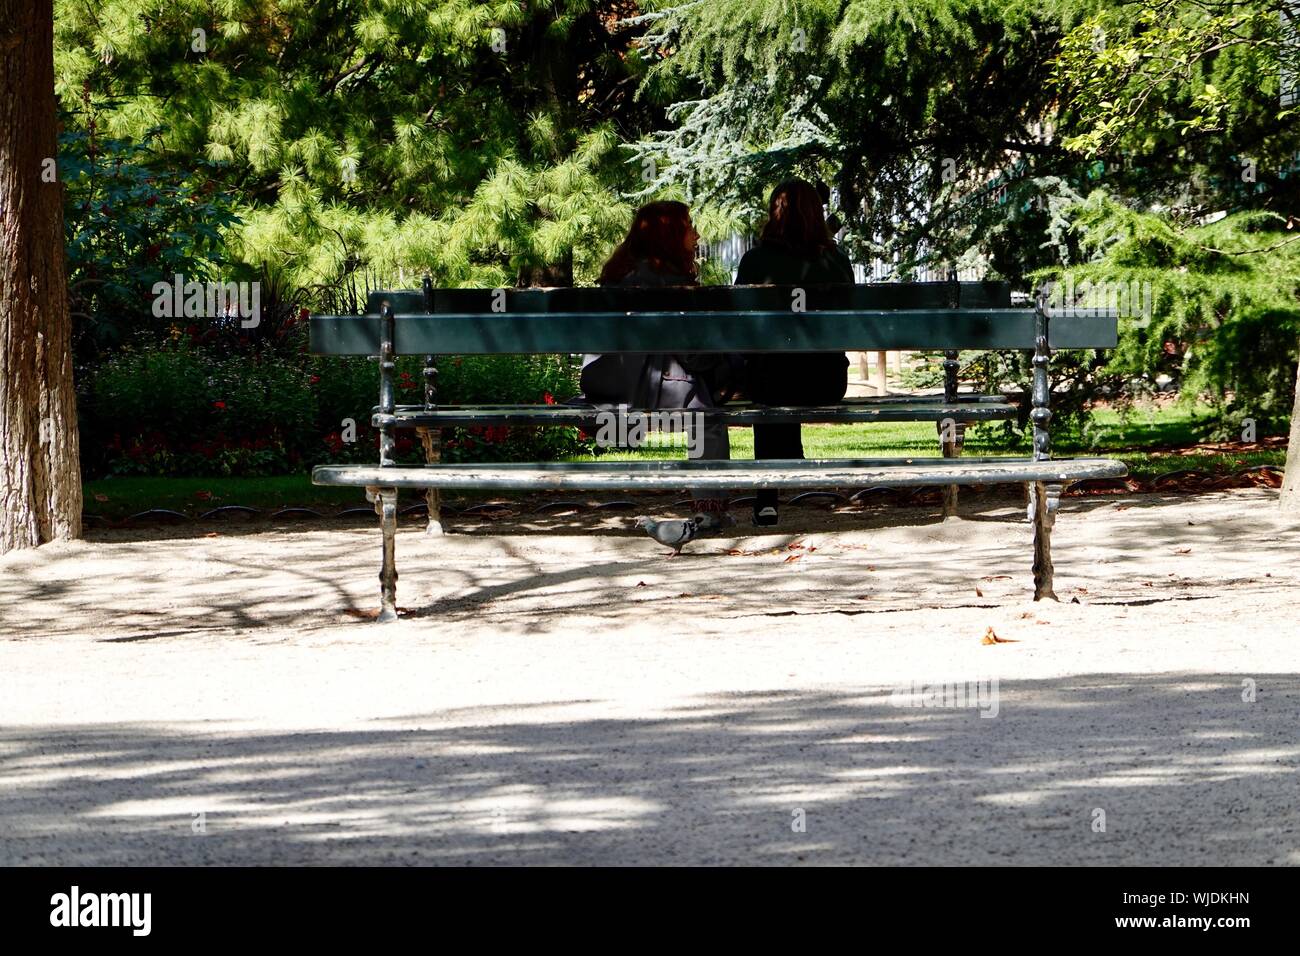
[(1291, 483), (40, 475)]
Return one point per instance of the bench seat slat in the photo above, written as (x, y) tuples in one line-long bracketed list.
[(749, 415), (869, 400), (673, 475)]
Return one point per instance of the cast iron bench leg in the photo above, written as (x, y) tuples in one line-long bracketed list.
[(385, 500), (1044, 498), (951, 436), (951, 433), (432, 443)]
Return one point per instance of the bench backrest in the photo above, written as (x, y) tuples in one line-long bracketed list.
[(872, 317)]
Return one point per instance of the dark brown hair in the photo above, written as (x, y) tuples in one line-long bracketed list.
[(660, 235), (795, 221)]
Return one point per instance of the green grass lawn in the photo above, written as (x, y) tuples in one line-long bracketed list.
[(1147, 441)]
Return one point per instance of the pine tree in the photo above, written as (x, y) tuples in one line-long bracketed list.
[(475, 140)]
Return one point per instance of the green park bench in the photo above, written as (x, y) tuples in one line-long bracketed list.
[(931, 316)]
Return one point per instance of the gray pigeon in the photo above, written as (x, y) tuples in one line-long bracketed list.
[(674, 532)]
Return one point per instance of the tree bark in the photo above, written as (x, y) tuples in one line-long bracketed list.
[(40, 473), (1290, 499)]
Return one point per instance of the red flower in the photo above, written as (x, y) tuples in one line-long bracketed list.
[(220, 405), (548, 398), (315, 379)]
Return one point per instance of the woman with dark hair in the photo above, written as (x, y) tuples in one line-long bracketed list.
[(795, 248), (660, 251)]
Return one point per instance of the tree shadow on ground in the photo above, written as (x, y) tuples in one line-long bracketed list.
[(1183, 769)]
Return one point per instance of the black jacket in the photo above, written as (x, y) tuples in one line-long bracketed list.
[(795, 378)]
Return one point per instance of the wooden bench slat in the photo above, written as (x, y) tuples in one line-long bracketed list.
[(587, 415), (605, 332), (866, 400), (850, 296), (673, 475)]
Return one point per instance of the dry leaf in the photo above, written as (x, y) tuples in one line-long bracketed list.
[(640, 584), (101, 497), (793, 557), (1182, 550), (979, 593), (992, 638)]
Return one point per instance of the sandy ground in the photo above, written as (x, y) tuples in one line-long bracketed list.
[(562, 693)]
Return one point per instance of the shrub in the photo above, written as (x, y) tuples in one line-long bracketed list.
[(176, 410)]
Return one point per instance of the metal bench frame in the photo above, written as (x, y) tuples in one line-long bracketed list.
[(426, 331)]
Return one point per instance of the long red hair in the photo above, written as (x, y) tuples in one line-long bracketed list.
[(662, 235), (795, 220)]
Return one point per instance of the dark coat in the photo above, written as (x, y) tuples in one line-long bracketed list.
[(655, 380), (795, 378)]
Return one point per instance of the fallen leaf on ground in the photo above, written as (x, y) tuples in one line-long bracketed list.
[(99, 497), (640, 584), (793, 557), (979, 593), (1182, 550), (992, 638)]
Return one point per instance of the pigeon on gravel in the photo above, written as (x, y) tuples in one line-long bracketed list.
[(673, 532)]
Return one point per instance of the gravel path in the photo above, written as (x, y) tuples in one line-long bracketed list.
[(561, 693)]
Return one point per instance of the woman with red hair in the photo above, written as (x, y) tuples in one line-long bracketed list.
[(795, 248), (660, 250)]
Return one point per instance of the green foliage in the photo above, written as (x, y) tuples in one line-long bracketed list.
[(382, 135), (130, 220), (1224, 299), (1182, 101), (905, 107), (177, 410)]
